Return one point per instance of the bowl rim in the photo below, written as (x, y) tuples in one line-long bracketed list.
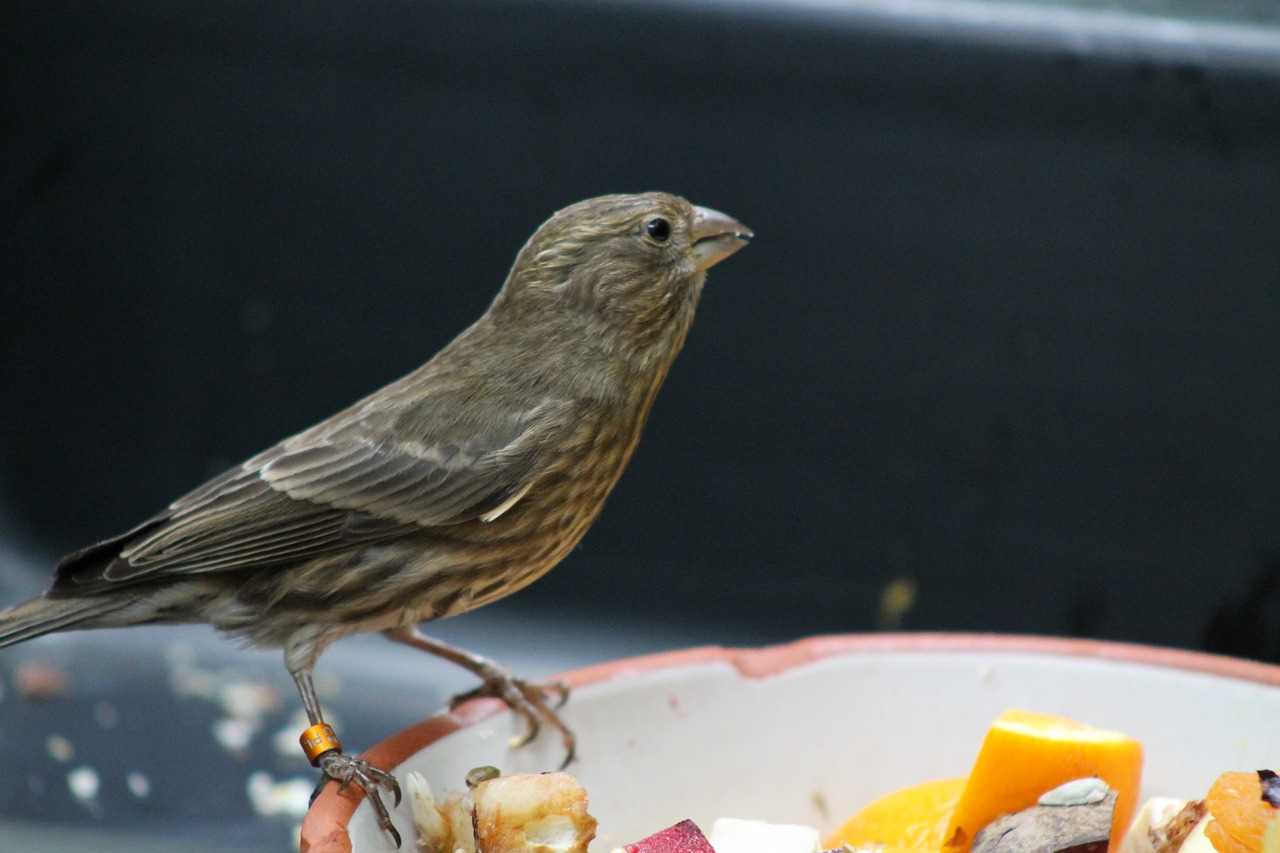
[(324, 830)]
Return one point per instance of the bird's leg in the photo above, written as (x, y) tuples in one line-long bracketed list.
[(532, 702), (324, 751)]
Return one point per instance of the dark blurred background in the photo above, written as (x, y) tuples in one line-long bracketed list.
[(1002, 357)]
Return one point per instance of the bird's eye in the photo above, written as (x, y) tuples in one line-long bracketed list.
[(659, 229)]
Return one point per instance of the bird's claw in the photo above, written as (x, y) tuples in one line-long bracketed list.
[(533, 702), (348, 771)]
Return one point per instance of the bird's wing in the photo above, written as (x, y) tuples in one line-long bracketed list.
[(443, 480), (324, 492)]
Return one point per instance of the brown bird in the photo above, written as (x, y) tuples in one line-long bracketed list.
[(452, 487)]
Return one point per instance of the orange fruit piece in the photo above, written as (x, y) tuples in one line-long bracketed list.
[(1026, 754), (1240, 815), (905, 821), (1271, 838)]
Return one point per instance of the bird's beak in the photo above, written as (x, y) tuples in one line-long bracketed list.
[(716, 236)]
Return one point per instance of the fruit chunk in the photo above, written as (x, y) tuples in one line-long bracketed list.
[(1163, 825), (518, 813), (1196, 841), (1241, 814), (909, 819), (532, 813), (1026, 754), (733, 835), (1271, 838), (684, 837)]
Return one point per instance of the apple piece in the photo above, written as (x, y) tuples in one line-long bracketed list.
[(1196, 841), (733, 835), (683, 837), (1154, 814)]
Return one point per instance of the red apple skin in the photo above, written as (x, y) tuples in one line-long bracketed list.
[(684, 837)]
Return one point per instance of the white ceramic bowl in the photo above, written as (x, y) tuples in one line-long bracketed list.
[(809, 732)]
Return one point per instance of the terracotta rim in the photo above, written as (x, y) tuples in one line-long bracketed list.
[(325, 828)]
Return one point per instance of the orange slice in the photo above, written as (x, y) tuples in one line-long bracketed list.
[(911, 819), (1026, 754)]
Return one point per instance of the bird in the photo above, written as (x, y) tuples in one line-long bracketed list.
[(456, 485)]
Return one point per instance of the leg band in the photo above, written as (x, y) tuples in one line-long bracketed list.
[(317, 740)]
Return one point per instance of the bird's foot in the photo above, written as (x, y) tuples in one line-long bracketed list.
[(533, 702), (348, 771)]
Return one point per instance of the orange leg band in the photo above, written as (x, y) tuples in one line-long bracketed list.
[(317, 740)]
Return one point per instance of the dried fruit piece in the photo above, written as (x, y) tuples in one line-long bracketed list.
[(1270, 782), (1025, 754), (909, 819)]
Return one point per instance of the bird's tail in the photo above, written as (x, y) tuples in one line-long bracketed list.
[(45, 615)]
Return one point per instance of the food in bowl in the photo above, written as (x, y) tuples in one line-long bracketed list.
[(1040, 784), (811, 731)]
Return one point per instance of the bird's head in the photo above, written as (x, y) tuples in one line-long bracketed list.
[(633, 262)]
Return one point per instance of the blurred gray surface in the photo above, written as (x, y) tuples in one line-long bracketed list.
[(187, 735), (17, 836)]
